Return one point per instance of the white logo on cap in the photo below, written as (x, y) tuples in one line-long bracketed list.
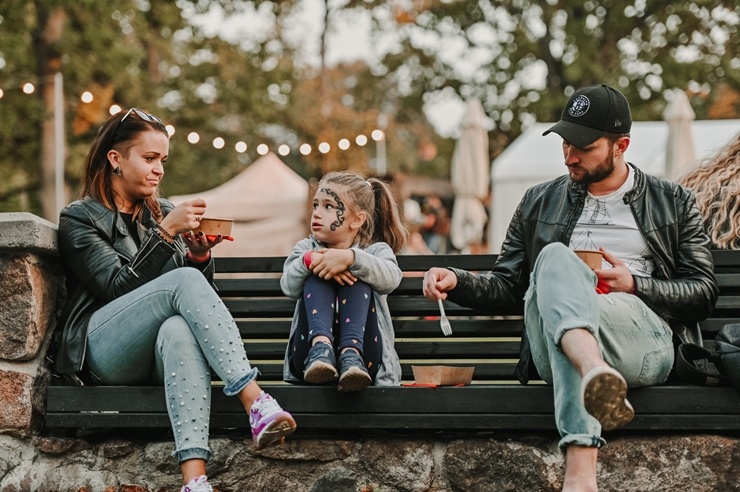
[(579, 106)]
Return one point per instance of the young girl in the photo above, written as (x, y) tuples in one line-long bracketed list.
[(341, 275)]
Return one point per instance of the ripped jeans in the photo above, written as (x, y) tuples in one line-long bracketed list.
[(632, 338), (170, 331)]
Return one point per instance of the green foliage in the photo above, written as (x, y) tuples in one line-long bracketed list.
[(521, 58)]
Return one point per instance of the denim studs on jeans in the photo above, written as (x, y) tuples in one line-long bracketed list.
[(172, 329)]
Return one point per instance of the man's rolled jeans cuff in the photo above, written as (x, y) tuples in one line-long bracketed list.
[(236, 387), (192, 454), (584, 440), (571, 324)]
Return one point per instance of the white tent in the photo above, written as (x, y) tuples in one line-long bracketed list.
[(533, 159), (268, 202)]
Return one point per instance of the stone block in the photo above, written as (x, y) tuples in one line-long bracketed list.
[(22, 398), (31, 291)]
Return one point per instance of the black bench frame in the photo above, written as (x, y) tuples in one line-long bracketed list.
[(250, 288)]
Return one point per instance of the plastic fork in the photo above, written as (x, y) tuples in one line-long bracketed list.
[(444, 323)]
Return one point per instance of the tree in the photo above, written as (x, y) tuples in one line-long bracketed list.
[(523, 58)]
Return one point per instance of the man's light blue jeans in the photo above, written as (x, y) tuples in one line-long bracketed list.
[(170, 331), (632, 338)]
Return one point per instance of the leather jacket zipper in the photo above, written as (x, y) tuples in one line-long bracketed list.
[(140, 258)]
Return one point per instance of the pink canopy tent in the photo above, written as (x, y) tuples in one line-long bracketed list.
[(268, 202)]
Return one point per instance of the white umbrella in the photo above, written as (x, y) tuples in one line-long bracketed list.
[(470, 178), (680, 155)]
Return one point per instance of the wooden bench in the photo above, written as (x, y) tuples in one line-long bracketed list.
[(495, 400)]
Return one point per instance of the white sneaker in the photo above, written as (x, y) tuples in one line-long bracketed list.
[(604, 393), (198, 484)]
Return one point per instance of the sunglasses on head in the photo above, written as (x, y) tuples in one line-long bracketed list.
[(142, 115)]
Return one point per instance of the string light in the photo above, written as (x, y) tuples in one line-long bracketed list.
[(219, 143)]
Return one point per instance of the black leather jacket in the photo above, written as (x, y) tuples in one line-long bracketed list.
[(102, 262), (682, 289)]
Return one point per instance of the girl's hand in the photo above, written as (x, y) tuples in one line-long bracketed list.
[(334, 263), (184, 217), (199, 246)]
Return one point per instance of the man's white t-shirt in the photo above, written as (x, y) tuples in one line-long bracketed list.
[(607, 222)]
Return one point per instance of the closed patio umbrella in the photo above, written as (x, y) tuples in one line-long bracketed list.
[(469, 175), (680, 155)]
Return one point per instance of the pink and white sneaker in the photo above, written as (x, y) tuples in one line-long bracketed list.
[(270, 423), (198, 484)]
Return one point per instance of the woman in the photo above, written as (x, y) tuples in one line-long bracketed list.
[(142, 308), (716, 183)]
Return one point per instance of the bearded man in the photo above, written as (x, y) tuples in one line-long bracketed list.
[(592, 334)]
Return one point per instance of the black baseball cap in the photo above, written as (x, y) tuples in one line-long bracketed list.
[(591, 113)]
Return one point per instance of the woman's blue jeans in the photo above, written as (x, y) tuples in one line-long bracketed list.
[(170, 331), (632, 338)]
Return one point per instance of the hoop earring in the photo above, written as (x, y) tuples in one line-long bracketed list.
[(117, 171)]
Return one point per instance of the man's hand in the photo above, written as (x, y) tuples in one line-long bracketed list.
[(334, 264), (616, 279), (437, 282)]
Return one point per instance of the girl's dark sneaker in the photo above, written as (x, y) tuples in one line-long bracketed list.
[(353, 375)]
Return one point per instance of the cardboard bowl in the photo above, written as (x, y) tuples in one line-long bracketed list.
[(590, 257), (443, 375), (211, 226)]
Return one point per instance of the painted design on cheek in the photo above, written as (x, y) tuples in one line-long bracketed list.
[(340, 209)]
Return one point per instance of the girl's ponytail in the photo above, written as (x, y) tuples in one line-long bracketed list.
[(388, 226)]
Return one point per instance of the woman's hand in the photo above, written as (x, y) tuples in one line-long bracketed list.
[(185, 217), (199, 246), (333, 263)]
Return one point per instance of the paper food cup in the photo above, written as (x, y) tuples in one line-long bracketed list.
[(590, 257), (443, 375), (211, 226)]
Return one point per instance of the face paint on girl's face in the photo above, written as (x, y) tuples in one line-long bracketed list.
[(331, 219), (340, 208)]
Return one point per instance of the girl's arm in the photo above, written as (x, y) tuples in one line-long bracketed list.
[(377, 266), (295, 272)]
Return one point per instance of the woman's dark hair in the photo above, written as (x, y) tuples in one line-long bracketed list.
[(119, 133)]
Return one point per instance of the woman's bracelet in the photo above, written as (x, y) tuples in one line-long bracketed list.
[(198, 260), (162, 232)]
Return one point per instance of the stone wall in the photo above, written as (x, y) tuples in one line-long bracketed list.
[(31, 291), (31, 294)]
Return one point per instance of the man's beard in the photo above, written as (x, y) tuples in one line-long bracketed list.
[(601, 172)]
